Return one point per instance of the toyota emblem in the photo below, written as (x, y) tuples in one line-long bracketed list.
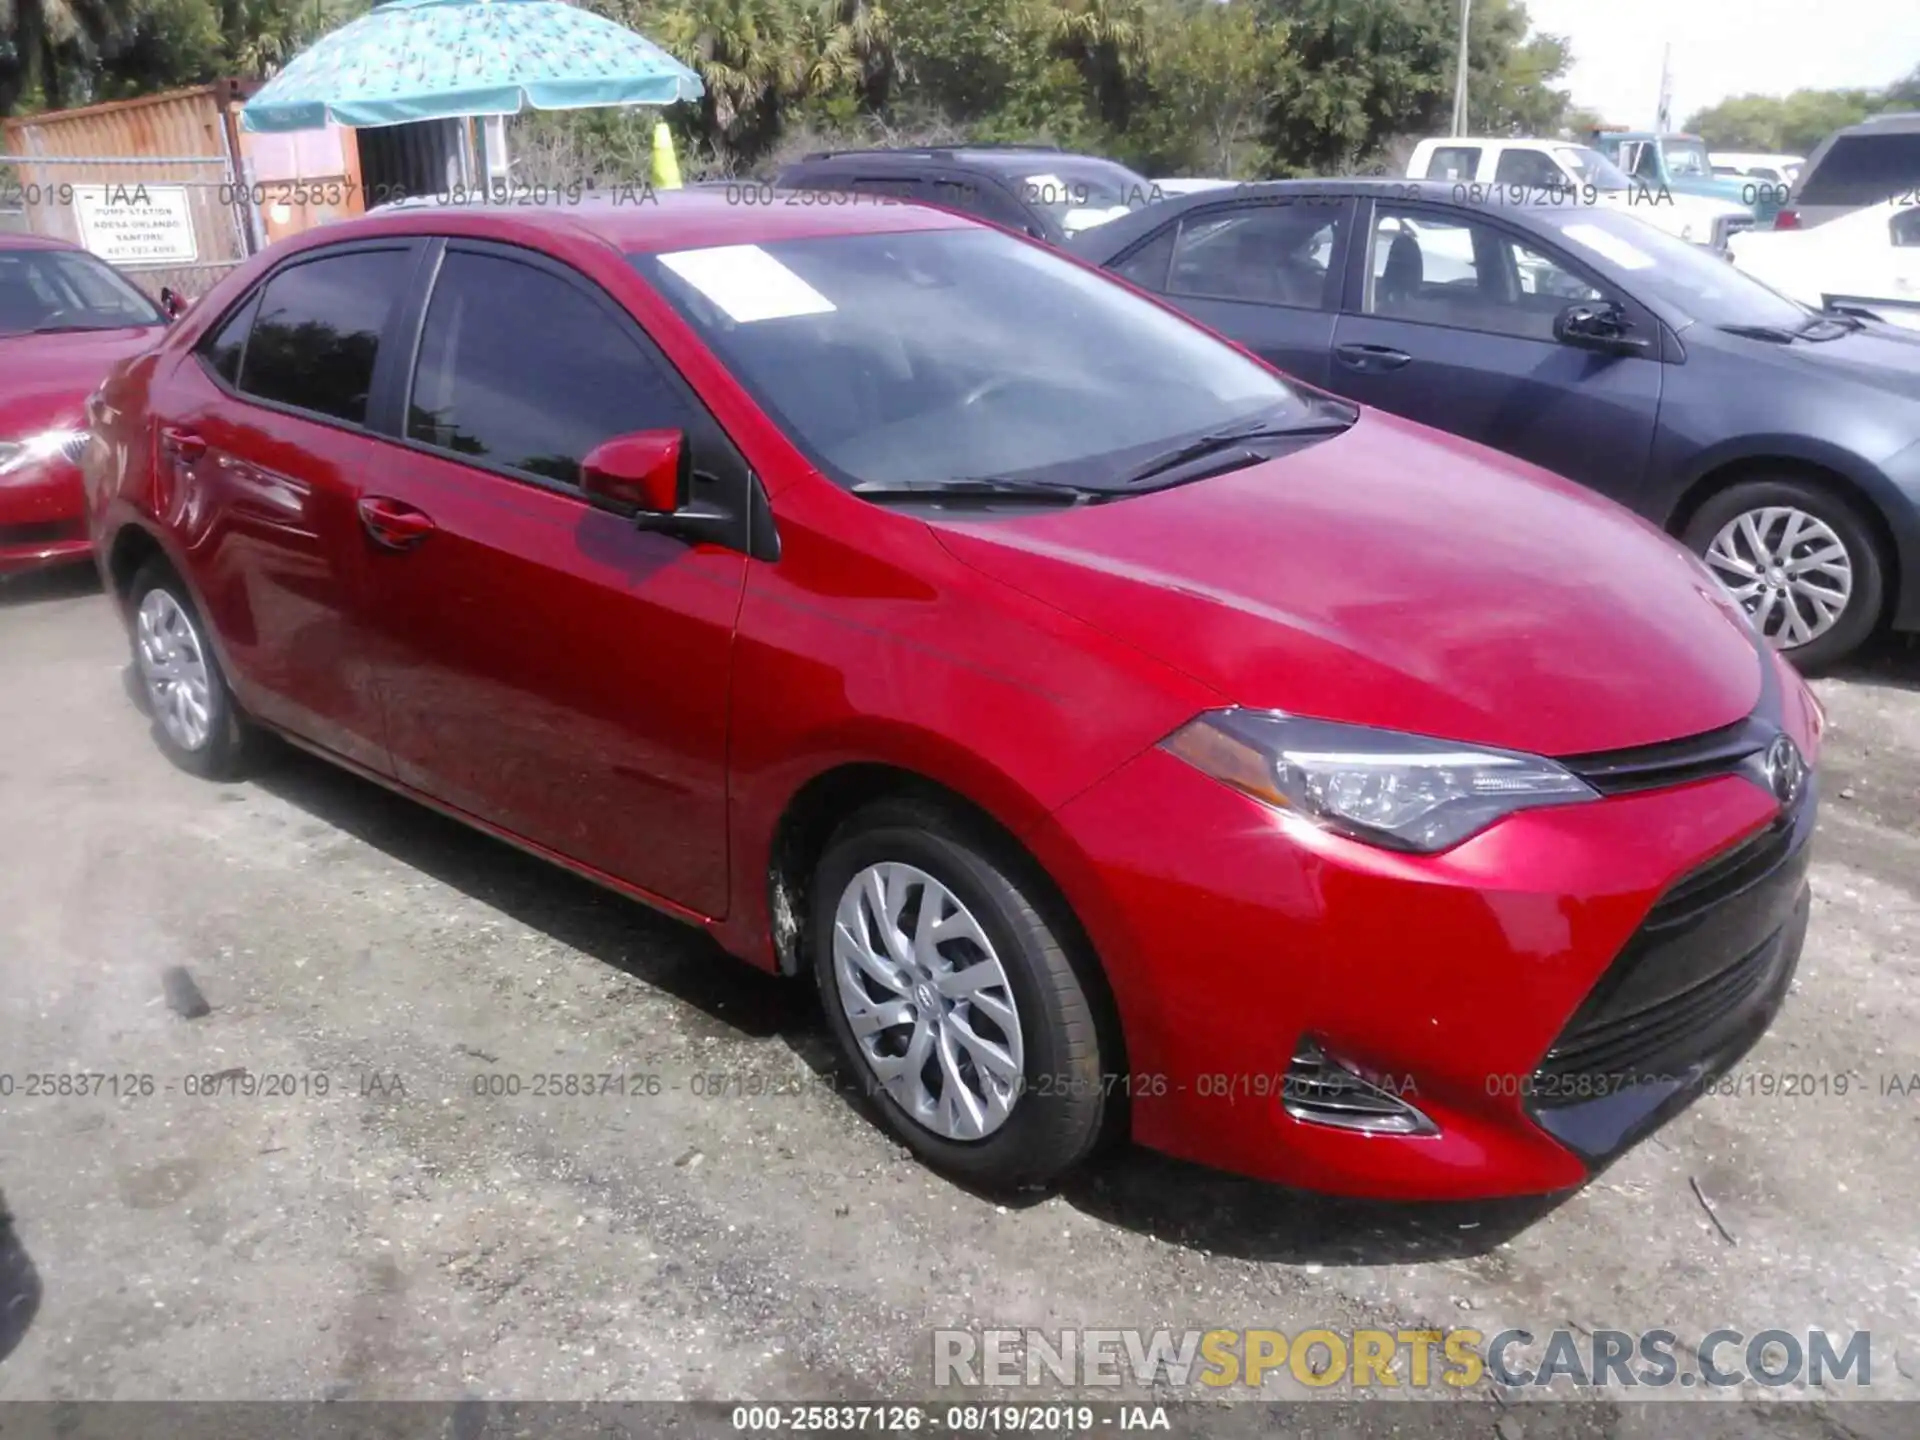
[(1786, 771)]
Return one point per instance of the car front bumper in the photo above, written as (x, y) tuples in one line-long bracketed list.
[(42, 517), (1479, 986)]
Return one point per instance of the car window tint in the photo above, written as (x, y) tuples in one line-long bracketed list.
[(522, 369), (1904, 227), (224, 348), (1864, 170), (1147, 266), (982, 198), (1454, 162), (1467, 276), (1269, 254), (317, 333), (898, 187), (1527, 167)]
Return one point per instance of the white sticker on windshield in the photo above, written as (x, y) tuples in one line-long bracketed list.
[(1087, 217), (1609, 246), (747, 283)]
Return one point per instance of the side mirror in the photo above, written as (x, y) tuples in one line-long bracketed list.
[(641, 475), (1597, 325), (173, 302)]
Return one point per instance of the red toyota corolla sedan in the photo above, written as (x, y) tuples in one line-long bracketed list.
[(1123, 734), (66, 317)]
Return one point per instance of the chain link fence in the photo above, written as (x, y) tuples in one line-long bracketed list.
[(165, 221)]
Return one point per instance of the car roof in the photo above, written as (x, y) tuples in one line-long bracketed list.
[(18, 240), (1512, 142), (643, 219), (1000, 159), (1103, 242)]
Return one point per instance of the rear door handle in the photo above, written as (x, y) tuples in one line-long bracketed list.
[(394, 525), (182, 444), (1371, 359)]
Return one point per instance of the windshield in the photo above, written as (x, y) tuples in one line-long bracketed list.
[(1590, 167), (936, 355), (1081, 194), (46, 290), (1686, 157), (1692, 280)]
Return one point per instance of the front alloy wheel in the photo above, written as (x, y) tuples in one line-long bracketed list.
[(956, 986), (1788, 568), (1800, 558), (928, 1001)]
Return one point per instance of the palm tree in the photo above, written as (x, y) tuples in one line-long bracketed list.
[(746, 53), (1106, 39), (44, 39)]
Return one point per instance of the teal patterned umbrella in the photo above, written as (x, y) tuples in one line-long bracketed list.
[(431, 59)]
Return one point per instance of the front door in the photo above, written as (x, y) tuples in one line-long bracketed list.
[(546, 667), (1449, 322)]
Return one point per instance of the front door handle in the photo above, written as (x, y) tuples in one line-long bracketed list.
[(182, 444), (1371, 359), (394, 524)]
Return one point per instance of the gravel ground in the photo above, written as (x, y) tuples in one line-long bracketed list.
[(750, 1234)]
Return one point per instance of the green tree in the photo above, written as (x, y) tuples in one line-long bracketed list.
[(1510, 73), (52, 47), (1209, 68), (1356, 73)]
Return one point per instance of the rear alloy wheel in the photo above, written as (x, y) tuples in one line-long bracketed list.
[(184, 691), (1800, 560), (954, 1000)]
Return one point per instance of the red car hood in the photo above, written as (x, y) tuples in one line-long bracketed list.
[(48, 377), (1397, 577)]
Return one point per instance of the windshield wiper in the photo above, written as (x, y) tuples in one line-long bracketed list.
[(974, 487), (1244, 434), (69, 328)]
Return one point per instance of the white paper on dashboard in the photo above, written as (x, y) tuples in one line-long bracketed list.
[(747, 283)]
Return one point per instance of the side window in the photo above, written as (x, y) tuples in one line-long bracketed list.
[(225, 346), (983, 198), (896, 186), (1904, 228), (1147, 266), (1467, 276), (1529, 168), (521, 369), (1269, 254), (1646, 162), (1454, 162), (317, 331)]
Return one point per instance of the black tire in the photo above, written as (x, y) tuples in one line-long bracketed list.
[(223, 753), (1056, 1119), (1862, 615)]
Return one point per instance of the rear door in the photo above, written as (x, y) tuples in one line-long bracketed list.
[(547, 667), (1448, 320), (1267, 274), (263, 454)]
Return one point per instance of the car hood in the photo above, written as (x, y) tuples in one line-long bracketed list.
[(1397, 577), (1885, 357), (50, 376)]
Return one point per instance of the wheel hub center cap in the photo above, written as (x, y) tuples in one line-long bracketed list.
[(1776, 576), (924, 996)]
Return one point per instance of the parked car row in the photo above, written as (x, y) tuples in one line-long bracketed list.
[(1094, 710)]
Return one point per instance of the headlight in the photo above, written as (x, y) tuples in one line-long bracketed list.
[(18, 454), (1405, 792)]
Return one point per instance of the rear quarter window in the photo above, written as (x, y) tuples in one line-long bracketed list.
[(317, 330)]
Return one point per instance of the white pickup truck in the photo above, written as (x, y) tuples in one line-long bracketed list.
[(1561, 172)]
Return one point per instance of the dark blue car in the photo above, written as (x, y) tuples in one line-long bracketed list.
[(1782, 444)]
